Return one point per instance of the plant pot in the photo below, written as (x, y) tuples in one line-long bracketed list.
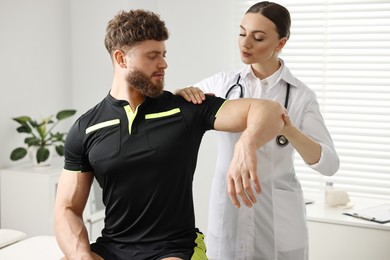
[(32, 152)]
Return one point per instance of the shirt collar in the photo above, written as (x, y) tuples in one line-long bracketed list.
[(122, 103), (247, 73), (273, 79), (282, 74), (287, 76), (115, 101)]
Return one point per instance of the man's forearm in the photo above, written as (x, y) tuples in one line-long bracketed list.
[(72, 235), (263, 122)]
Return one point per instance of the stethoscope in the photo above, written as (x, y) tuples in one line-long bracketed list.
[(281, 140)]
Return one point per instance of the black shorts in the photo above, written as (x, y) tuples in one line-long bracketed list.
[(153, 251)]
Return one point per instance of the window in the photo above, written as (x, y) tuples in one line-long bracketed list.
[(341, 49)]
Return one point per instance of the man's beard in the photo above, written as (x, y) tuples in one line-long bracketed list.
[(142, 82)]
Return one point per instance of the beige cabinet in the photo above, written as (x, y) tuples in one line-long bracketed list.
[(27, 196)]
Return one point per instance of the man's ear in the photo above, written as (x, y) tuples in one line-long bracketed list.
[(120, 58)]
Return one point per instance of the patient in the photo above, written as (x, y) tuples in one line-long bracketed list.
[(141, 144)]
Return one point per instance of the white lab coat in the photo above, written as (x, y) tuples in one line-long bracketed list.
[(275, 228)]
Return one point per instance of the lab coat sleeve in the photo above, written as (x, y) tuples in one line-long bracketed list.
[(328, 154), (314, 126), (215, 84)]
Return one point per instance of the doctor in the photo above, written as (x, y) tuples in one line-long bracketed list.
[(275, 227)]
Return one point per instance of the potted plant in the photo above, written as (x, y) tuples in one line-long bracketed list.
[(41, 136)]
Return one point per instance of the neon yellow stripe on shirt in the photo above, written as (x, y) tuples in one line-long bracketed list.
[(216, 114), (131, 115), (102, 125), (163, 114)]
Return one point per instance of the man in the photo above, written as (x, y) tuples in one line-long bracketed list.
[(141, 145)]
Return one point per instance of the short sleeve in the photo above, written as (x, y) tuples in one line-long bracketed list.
[(76, 158), (207, 111)]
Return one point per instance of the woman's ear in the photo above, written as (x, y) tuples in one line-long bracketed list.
[(120, 58), (281, 44)]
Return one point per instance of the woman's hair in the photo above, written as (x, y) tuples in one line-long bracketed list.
[(127, 29), (278, 14)]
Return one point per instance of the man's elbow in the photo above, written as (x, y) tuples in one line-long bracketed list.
[(277, 111)]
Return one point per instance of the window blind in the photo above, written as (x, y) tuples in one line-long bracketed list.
[(341, 49)]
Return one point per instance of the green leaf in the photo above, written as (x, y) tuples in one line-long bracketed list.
[(34, 123), (41, 128), (60, 150), (42, 154), (57, 137), (24, 129), (23, 120), (31, 141), (18, 153), (65, 114)]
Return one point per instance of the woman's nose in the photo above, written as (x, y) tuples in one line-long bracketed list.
[(246, 43)]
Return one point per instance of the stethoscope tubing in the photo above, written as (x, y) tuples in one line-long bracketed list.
[(237, 84)]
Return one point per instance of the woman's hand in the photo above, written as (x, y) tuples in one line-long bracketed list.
[(288, 127), (192, 94), (308, 148)]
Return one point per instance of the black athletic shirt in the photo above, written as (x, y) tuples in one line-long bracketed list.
[(144, 162)]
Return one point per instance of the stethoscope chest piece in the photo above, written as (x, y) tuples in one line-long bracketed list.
[(281, 140)]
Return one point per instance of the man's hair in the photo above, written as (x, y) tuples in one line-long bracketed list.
[(127, 29)]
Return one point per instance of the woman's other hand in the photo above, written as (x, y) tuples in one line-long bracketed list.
[(192, 94), (288, 126)]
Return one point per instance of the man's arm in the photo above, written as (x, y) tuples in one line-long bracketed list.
[(260, 121), (71, 233)]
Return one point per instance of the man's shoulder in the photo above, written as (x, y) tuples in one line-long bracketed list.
[(93, 110), (92, 113), (167, 100), (168, 97)]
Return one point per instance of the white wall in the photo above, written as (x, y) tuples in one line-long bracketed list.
[(34, 65), (53, 57)]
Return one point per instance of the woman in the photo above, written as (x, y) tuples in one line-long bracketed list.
[(275, 227)]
